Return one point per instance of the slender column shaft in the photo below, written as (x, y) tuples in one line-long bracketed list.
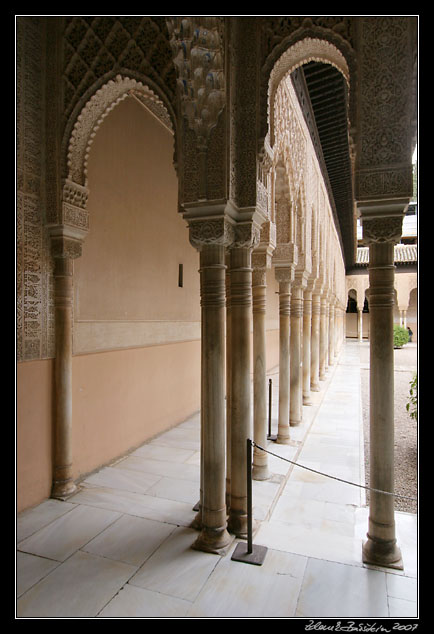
[(241, 306), (228, 384), (381, 547), (331, 334), (315, 342), (323, 339), (307, 335), (284, 368), (63, 484), (214, 536), (360, 323), (296, 373), (259, 293)]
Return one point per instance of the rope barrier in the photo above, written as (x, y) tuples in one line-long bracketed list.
[(404, 497)]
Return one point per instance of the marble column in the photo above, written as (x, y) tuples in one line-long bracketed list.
[(381, 546), (214, 536), (315, 342), (296, 371), (63, 484), (323, 338), (307, 338), (228, 380), (331, 350), (284, 277), (259, 293), (360, 323), (241, 307)]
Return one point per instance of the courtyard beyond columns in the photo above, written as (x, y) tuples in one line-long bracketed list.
[(121, 546)]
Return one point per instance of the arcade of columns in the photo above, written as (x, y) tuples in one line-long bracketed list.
[(248, 210)]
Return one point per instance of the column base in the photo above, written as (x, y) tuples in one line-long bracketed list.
[(197, 522), (216, 541), (260, 473), (307, 400), (315, 387), (63, 489), (294, 423), (283, 440), (238, 524), (384, 554)]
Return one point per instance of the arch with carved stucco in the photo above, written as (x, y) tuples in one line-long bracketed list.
[(94, 112), (302, 52)]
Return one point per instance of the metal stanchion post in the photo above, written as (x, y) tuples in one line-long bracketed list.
[(270, 401), (249, 554)]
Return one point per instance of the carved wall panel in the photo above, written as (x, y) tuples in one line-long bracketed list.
[(198, 56), (33, 265), (386, 129)]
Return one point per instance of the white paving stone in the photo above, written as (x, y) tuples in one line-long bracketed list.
[(134, 602), (130, 539), (240, 590), (336, 590), (80, 587), (68, 533), (30, 569), (176, 569)]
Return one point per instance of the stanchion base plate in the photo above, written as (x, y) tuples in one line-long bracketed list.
[(256, 557)]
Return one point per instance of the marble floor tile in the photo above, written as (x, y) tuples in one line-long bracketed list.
[(337, 590), (182, 438), (130, 539), (299, 511), (33, 519), (79, 587), (176, 489), (169, 454), (240, 590), (134, 602), (123, 479), (401, 587), (175, 568), (402, 609), (310, 541), (69, 532), (182, 471), (30, 569), (148, 506)]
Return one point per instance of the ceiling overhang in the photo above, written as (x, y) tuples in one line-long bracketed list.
[(323, 95)]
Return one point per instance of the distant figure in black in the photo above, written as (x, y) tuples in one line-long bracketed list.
[(410, 333)]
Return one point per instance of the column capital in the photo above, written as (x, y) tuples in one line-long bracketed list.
[(286, 255), (66, 242), (382, 220), (284, 274), (206, 231)]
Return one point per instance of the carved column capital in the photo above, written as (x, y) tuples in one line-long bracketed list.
[(247, 235), (65, 244), (380, 230), (217, 231), (284, 275)]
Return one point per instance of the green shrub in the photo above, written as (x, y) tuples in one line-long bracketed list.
[(412, 399), (400, 336)]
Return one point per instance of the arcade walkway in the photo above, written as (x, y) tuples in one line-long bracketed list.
[(120, 547)]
